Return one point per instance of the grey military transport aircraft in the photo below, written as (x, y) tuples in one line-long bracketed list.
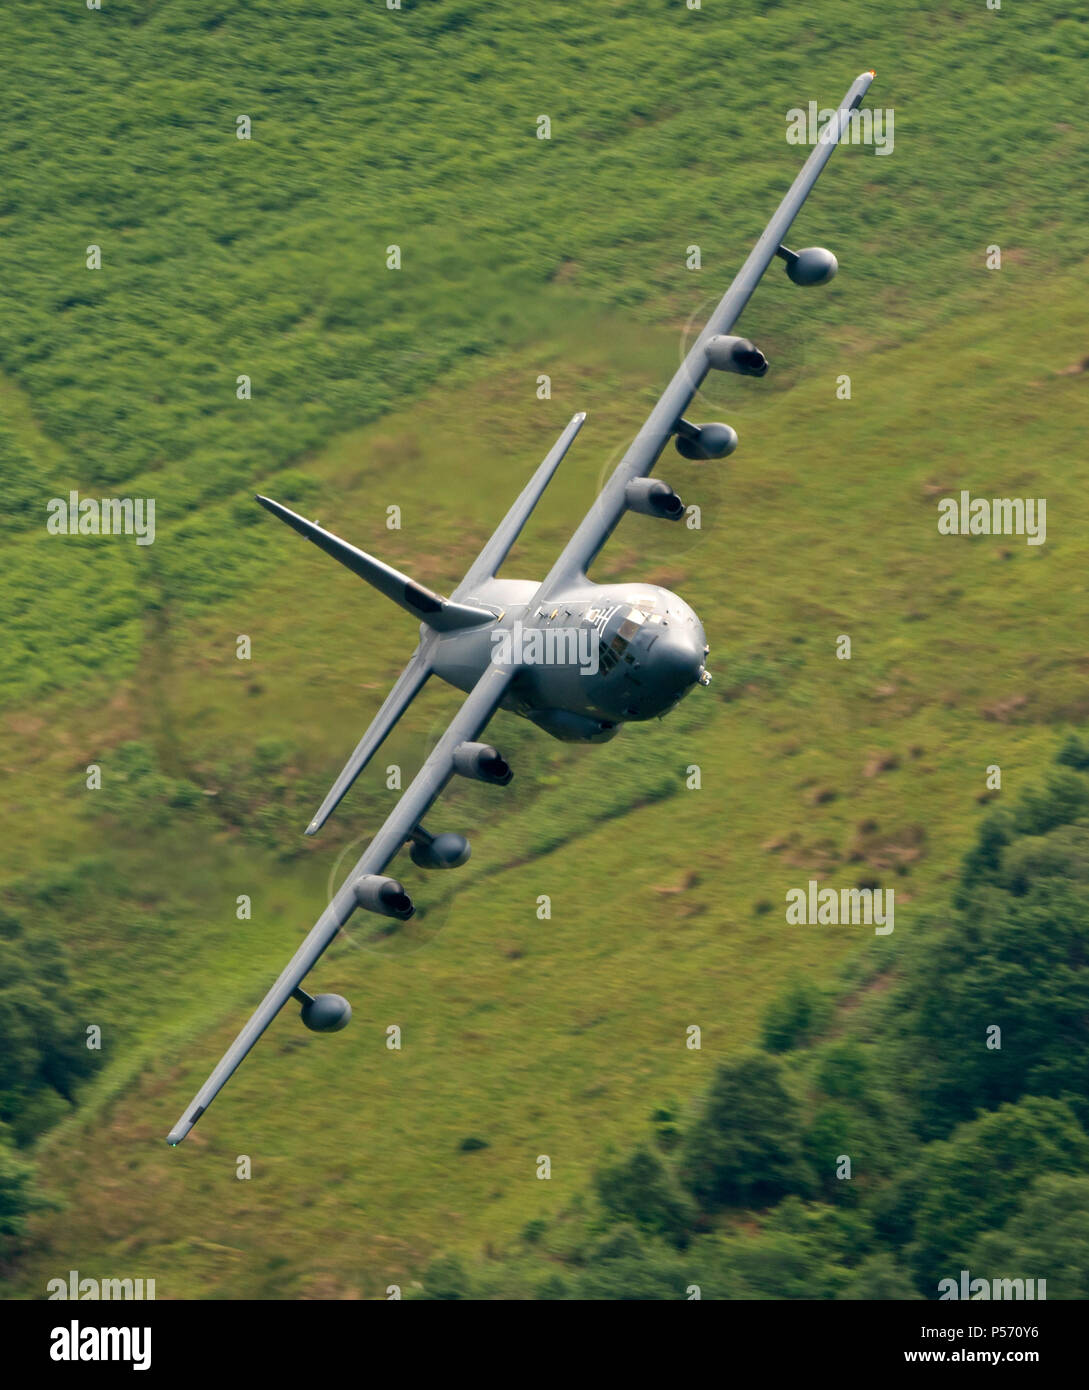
[(629, 651)]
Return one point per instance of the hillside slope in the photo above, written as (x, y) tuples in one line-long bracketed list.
[(418, 390)]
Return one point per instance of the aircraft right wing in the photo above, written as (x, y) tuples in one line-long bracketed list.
[(403, 820)]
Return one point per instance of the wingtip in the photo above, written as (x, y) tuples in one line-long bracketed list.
[(184, 1126)]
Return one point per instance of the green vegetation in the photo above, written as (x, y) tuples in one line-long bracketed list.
[(417, 388), (816, 1177), (267, 257)]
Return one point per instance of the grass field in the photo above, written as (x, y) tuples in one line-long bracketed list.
[(417, 389)]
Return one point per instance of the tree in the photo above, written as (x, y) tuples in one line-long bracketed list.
[(446, 1278), (744, 1148), (995, 1003), (795, 1017), (640, 1190), (44, 1049), (974, 1181), (800, 1251), (879, 1277), (19, 1194), (626, 1267), (1047, 1239)]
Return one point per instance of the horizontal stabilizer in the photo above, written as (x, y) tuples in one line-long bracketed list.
[(437, 612), (407, 686), (486, 565)]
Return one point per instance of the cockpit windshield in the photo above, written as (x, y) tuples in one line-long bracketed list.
[(610, 653), (633, 621)]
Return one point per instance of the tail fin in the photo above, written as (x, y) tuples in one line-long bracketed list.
[(438, 613), (498, 548)]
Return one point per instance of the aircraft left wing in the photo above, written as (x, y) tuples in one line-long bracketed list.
[(405, 818), (713, 348)]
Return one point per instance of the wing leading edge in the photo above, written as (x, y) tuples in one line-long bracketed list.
[(469, 721), (611, 503)]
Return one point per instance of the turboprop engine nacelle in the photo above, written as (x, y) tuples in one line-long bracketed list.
[(481, 762), (652, 497), (384, 896), (729, 354)]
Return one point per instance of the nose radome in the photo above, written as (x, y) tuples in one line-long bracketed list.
[(678, 658)]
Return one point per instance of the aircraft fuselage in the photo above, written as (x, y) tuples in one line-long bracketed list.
[(592, 657)]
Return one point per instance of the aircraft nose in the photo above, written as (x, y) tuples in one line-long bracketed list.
[(678, 659)]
